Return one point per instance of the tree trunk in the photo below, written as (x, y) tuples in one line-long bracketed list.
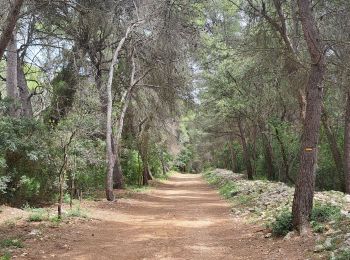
[(9, 25), (233, 158), (118, 179), (162, 162), (347, 145), (111, 157), (27, 110), (269, 157), (304, 189), (246, 153), (285, 160), (338, 160), (11, 77)]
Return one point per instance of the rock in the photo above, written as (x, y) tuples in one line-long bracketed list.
[(289, 235), (319, 248), (34, 232), (347, 198), (347, 242), (328, 243), (268, 235)]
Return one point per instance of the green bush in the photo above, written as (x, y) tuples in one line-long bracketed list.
[(36, 215), (317, 227), (76, 212), (6, 256), (11, 242), (325, 212), (282, 224), (227, 189), (321, 213), (131, 165), (343, 255)]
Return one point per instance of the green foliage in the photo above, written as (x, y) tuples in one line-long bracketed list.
[(342, 255), (212, 178), (6, 256), (317, 227), (37, 214), (321, 213), (132, 166), (11, 242), (76, 212), (325, 212), (183, 159), (227, 189), (282, 224)]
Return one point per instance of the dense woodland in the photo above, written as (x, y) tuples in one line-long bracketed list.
[(97, 95)]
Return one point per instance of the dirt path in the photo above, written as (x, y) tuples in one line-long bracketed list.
[(182, 218)]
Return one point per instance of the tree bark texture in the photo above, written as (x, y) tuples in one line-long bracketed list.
[(304, 189), (9, 25), (11, 77), (347, 145), (24, 94)]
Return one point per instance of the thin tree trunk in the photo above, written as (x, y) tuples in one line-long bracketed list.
[(27, 110), (118, 179), (269, 157), (9, 25), (338, 160), (304, 189), (162, 162), (111, 156), (284, 158), (11, 77), (246, 153), (347, 144)]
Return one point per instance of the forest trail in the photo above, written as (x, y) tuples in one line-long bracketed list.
[(181, 218)]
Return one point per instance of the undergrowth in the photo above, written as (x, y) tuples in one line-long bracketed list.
[(321, 213)]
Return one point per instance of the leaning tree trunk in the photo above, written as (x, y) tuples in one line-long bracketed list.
[(9, 25), (111, 156), (304, 190), (11, 77), (246, 153), (347, 145)]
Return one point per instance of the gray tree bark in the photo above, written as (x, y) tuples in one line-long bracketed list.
[(9, 25), (11, 77)]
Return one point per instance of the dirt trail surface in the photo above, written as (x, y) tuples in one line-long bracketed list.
[(181, 218)]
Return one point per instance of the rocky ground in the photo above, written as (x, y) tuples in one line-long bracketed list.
[(260, 201)]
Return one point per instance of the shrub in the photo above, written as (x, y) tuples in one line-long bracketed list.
[(317, 227), (11, 242), (36, 215), (325, 212), (343, 255), (227, 189), (6, 256), (282, 224), (76, 212)]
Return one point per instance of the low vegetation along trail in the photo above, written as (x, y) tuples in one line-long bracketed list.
[(181, 218)]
